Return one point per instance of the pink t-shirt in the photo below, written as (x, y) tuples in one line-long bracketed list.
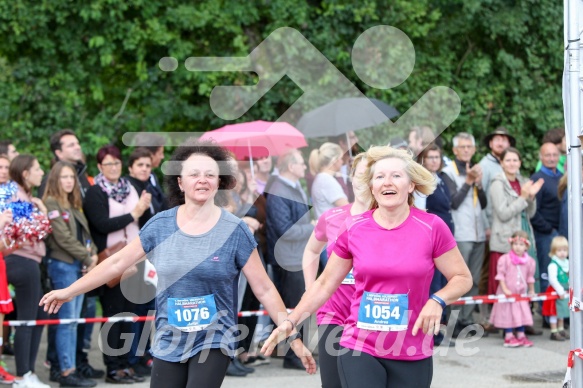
[(394, 262), (330, 225)]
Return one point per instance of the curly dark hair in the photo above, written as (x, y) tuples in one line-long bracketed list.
[(214, 151)]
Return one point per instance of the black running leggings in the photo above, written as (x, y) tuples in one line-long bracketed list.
[(191, 374), (24, 274), (363, 370), (328, 347)]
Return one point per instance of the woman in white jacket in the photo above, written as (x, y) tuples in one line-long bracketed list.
[(513, 204)]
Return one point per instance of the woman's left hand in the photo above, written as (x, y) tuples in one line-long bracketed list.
[(429, 320), (304, 355), (278, 335)]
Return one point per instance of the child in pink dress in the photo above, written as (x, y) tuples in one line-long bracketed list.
[(515, 271)]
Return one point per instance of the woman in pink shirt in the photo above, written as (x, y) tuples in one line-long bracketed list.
[(393, 251), (333, 313)]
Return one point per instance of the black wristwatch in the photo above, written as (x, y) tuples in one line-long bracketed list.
[(293, 337)]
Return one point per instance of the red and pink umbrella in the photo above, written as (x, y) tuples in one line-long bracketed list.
[(257, 139)]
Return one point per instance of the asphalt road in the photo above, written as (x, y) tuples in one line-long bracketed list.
[(473, 362)]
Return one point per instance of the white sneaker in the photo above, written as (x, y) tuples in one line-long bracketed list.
[(29, 380), (24, 382), (35, 381)]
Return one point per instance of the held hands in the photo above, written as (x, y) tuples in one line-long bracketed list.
[(429, 319), (278, 335), (53, 301)]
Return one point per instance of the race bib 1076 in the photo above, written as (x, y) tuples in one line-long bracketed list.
[(191, 314)]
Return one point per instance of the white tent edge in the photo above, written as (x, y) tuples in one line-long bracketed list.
[(572, 107)]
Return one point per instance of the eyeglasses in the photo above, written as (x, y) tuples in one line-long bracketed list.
[(112, 164), (465, 147)]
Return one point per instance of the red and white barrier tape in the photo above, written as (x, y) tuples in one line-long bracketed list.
[(567, 382), (488, 299), (479, 299), (572, 354), (574, 303), (42, 322)]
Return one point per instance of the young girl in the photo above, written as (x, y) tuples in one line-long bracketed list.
[(71, 254), (515, 271), (558, 271)]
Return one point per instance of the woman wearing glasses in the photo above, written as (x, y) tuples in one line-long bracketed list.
[(113, 208)]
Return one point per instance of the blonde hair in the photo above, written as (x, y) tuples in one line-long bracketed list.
[(357, 159), (557, 243), (424, 181), (324, 156)]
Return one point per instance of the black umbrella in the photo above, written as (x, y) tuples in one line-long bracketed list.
[(344, 115)]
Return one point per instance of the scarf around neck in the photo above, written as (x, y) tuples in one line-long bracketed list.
[(518, 260), (117, 191)]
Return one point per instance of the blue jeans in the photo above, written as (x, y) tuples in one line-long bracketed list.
[(543, 247), (91, 308), (137, 353), (63, 275)]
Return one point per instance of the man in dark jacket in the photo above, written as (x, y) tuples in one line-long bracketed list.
[(545, 221), (288, 230)]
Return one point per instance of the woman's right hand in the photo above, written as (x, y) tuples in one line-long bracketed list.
[(54, 300)]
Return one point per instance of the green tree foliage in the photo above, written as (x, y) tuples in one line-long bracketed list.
[(93, 66)]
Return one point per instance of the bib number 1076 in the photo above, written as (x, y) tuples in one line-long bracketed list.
[(188, 315), (381, 312)]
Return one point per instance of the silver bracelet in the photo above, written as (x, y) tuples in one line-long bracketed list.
[(290, 321)]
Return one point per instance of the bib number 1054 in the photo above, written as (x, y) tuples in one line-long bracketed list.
[(381, 312), (189, 315)]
